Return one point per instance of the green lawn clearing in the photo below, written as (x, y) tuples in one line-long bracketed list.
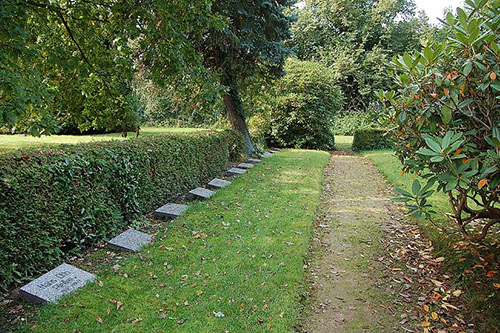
[(466, 262), (343, 142), (231, 264), (17, 141)]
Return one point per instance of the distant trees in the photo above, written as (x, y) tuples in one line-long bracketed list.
[(354, 38)]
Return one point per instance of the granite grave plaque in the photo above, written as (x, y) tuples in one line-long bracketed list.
[(51, 286), (130, 240), (253, 160), (218, 183), (236, 171), (171, 210), (200, 193), (245, 165), (266, 155)]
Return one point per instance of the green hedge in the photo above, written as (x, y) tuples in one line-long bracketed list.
[(55, 201), (370, 138)]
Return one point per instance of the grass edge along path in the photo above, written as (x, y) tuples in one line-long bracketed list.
[(233, 263)]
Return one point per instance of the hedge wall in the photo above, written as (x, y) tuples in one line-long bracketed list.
[(370, 138), (54, 201)]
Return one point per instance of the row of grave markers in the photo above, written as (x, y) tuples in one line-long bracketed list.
[(66, 278)]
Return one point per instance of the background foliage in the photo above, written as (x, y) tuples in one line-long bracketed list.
[(355, 38), (54, 201)]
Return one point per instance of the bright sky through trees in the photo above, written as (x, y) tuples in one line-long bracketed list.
[(434, 8)]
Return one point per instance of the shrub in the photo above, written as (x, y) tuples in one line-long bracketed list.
[(54, 201), (304, 107), (348, 122), (371, 138), (445, 118)]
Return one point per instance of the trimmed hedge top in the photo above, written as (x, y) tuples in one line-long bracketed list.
[(54, 201), (371, 138)]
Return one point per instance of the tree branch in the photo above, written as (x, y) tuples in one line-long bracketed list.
[(70, 33)]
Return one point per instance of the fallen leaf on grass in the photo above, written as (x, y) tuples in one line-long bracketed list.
[(118, 303), (434, 315), (496, 285), (440, 259), (426, 324), (135, 321), (491, 273), (99, 319), (457, 293)]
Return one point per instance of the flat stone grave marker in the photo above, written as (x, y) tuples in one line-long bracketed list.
[(171, 210), (236, 171), (245, 165), (201, 193), (266, 155), (253, 160), (218, 183), (61, 281), (130, 240), (273, 151)]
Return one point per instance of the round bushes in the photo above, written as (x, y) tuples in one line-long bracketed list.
[(305, 102)]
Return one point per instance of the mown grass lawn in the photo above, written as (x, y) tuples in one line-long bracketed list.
[(343, 142), (234, 263), (465, 261), (17, 141)]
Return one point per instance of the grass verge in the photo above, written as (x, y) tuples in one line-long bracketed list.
[(234, 263), (17, 141), (474, 268)]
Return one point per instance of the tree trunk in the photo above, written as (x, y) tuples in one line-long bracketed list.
[(234, 110)]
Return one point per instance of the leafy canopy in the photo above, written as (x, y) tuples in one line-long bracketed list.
[(68, 64)]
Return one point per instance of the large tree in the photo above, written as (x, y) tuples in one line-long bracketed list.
[(250, 46), (67, 63)]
